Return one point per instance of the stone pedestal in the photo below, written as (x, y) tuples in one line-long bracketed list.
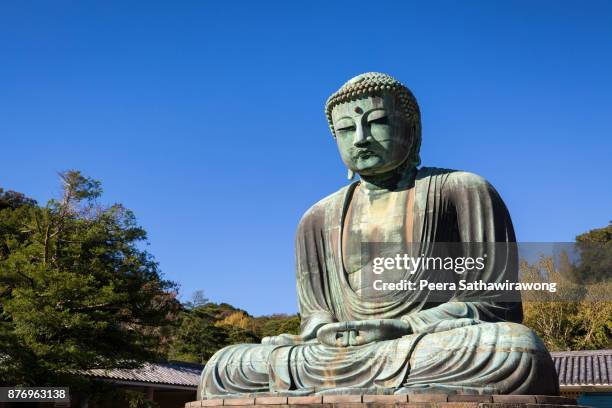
[(393, 401)]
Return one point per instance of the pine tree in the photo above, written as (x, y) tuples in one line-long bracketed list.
[(77, 291)]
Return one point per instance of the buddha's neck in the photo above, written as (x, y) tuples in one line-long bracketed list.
[(397, 179)]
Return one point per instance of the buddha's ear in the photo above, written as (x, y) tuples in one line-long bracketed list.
[(351, 174), (415, 156)]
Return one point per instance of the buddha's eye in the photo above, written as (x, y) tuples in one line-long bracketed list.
[(380, 121), (345, 125), (349, 128), (378, 117)]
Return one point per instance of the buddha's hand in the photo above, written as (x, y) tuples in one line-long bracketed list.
[(309, 335), (357, 333), (284, 339)]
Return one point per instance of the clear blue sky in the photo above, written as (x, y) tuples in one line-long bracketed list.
[(206, 117)]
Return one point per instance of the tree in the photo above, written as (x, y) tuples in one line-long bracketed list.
[(595, 248), (208, 327), (277, 324), (77, 291), (197, 337), (550, 314), (579, 315)]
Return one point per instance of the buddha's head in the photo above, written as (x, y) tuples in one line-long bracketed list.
[(376, 122)]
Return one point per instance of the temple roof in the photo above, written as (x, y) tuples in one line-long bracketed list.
[(173, 373), (584, 368)]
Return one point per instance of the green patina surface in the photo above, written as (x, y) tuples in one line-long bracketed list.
[(354, 340)]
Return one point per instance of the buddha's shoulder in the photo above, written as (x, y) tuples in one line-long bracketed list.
[(452, 179), (324, 206)]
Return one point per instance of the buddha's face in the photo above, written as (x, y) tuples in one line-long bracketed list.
[(372, 134)]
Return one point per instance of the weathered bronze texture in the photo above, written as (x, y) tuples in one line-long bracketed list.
[(355, 341)]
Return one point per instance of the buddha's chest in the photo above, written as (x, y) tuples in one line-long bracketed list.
[(376, 225)]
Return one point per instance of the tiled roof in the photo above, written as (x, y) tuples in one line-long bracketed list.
[(175, 373), (576, 368)]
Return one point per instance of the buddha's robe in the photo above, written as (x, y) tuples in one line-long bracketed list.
[(457, 344)]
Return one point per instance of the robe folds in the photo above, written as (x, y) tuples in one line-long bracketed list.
[(464, 342)]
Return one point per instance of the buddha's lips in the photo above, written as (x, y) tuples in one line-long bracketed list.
[(363, 154)]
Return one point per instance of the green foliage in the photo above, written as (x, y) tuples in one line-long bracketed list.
[(197, 337), (76, 289), (579, 315), (136, 399), (206, 327), (278, 324), (595, 249)]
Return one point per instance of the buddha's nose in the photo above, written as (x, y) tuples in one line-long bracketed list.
[(361, 136)]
